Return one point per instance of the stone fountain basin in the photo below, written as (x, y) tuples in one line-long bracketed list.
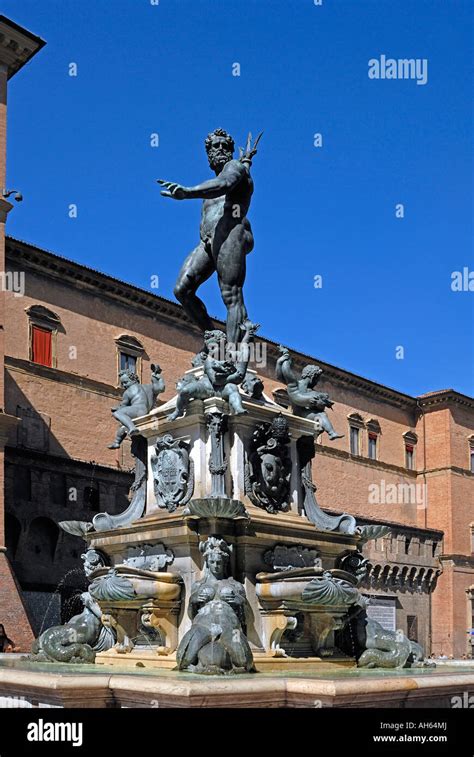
[(288, 585), (125, 582)]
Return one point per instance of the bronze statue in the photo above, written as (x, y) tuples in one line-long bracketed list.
[(216, 643), (78, 640), (137, 400), (221, 377), (226, 235), (305, 401)]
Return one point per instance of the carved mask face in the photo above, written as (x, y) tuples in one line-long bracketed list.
[(216, 562), (271, 470)]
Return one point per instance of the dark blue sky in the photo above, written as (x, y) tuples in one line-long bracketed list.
[(327, 211)]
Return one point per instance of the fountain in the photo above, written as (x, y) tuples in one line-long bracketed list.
[(224, 563)]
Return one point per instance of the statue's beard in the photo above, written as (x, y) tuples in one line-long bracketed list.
[(218, 159)]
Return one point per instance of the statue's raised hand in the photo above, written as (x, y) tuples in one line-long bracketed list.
[(172, 189), (249, 327)]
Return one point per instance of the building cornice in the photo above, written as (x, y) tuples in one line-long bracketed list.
[(433, 400), (13, 453), (63, 377), (451, 469), (461, 561), (17, 45)]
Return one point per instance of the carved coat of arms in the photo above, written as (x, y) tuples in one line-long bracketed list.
[(173, 472), (268, 469)]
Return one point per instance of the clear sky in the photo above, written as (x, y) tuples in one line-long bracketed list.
[(328, 211)]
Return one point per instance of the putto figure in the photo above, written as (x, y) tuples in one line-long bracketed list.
[(226, 235), (137, 400), (221, 377), (305, 401)]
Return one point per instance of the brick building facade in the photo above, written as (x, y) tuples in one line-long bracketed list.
[(404, 460), (17, 47)]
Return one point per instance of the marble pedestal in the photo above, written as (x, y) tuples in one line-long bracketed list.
[(218, 502)]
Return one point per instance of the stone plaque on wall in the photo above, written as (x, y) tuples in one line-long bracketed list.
[(383, 610)]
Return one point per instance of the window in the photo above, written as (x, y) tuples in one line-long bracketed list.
[(92, 498), (129, 354), (356, 423), (372, 446), (22, 483), (409, 456), (355, 441), (471, 454), (412, 627), (43, 537), (373, 432), (41, 346), (12, 534), (58, 488), (121, 498), (410, 440), (43, 330), (128, 362)]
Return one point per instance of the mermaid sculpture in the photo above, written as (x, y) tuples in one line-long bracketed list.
[(305, 401), (78, 640), (216, 643), (221, 376), (376, 646)]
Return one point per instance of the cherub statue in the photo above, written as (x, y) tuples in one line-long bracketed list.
[(221, 376), (305, 401), (216, 643), (137, 400)]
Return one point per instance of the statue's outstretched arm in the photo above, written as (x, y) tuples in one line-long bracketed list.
[(230, 176), (157, 380), (284, 369)]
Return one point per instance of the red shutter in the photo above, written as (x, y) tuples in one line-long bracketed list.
[(42, 351)]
